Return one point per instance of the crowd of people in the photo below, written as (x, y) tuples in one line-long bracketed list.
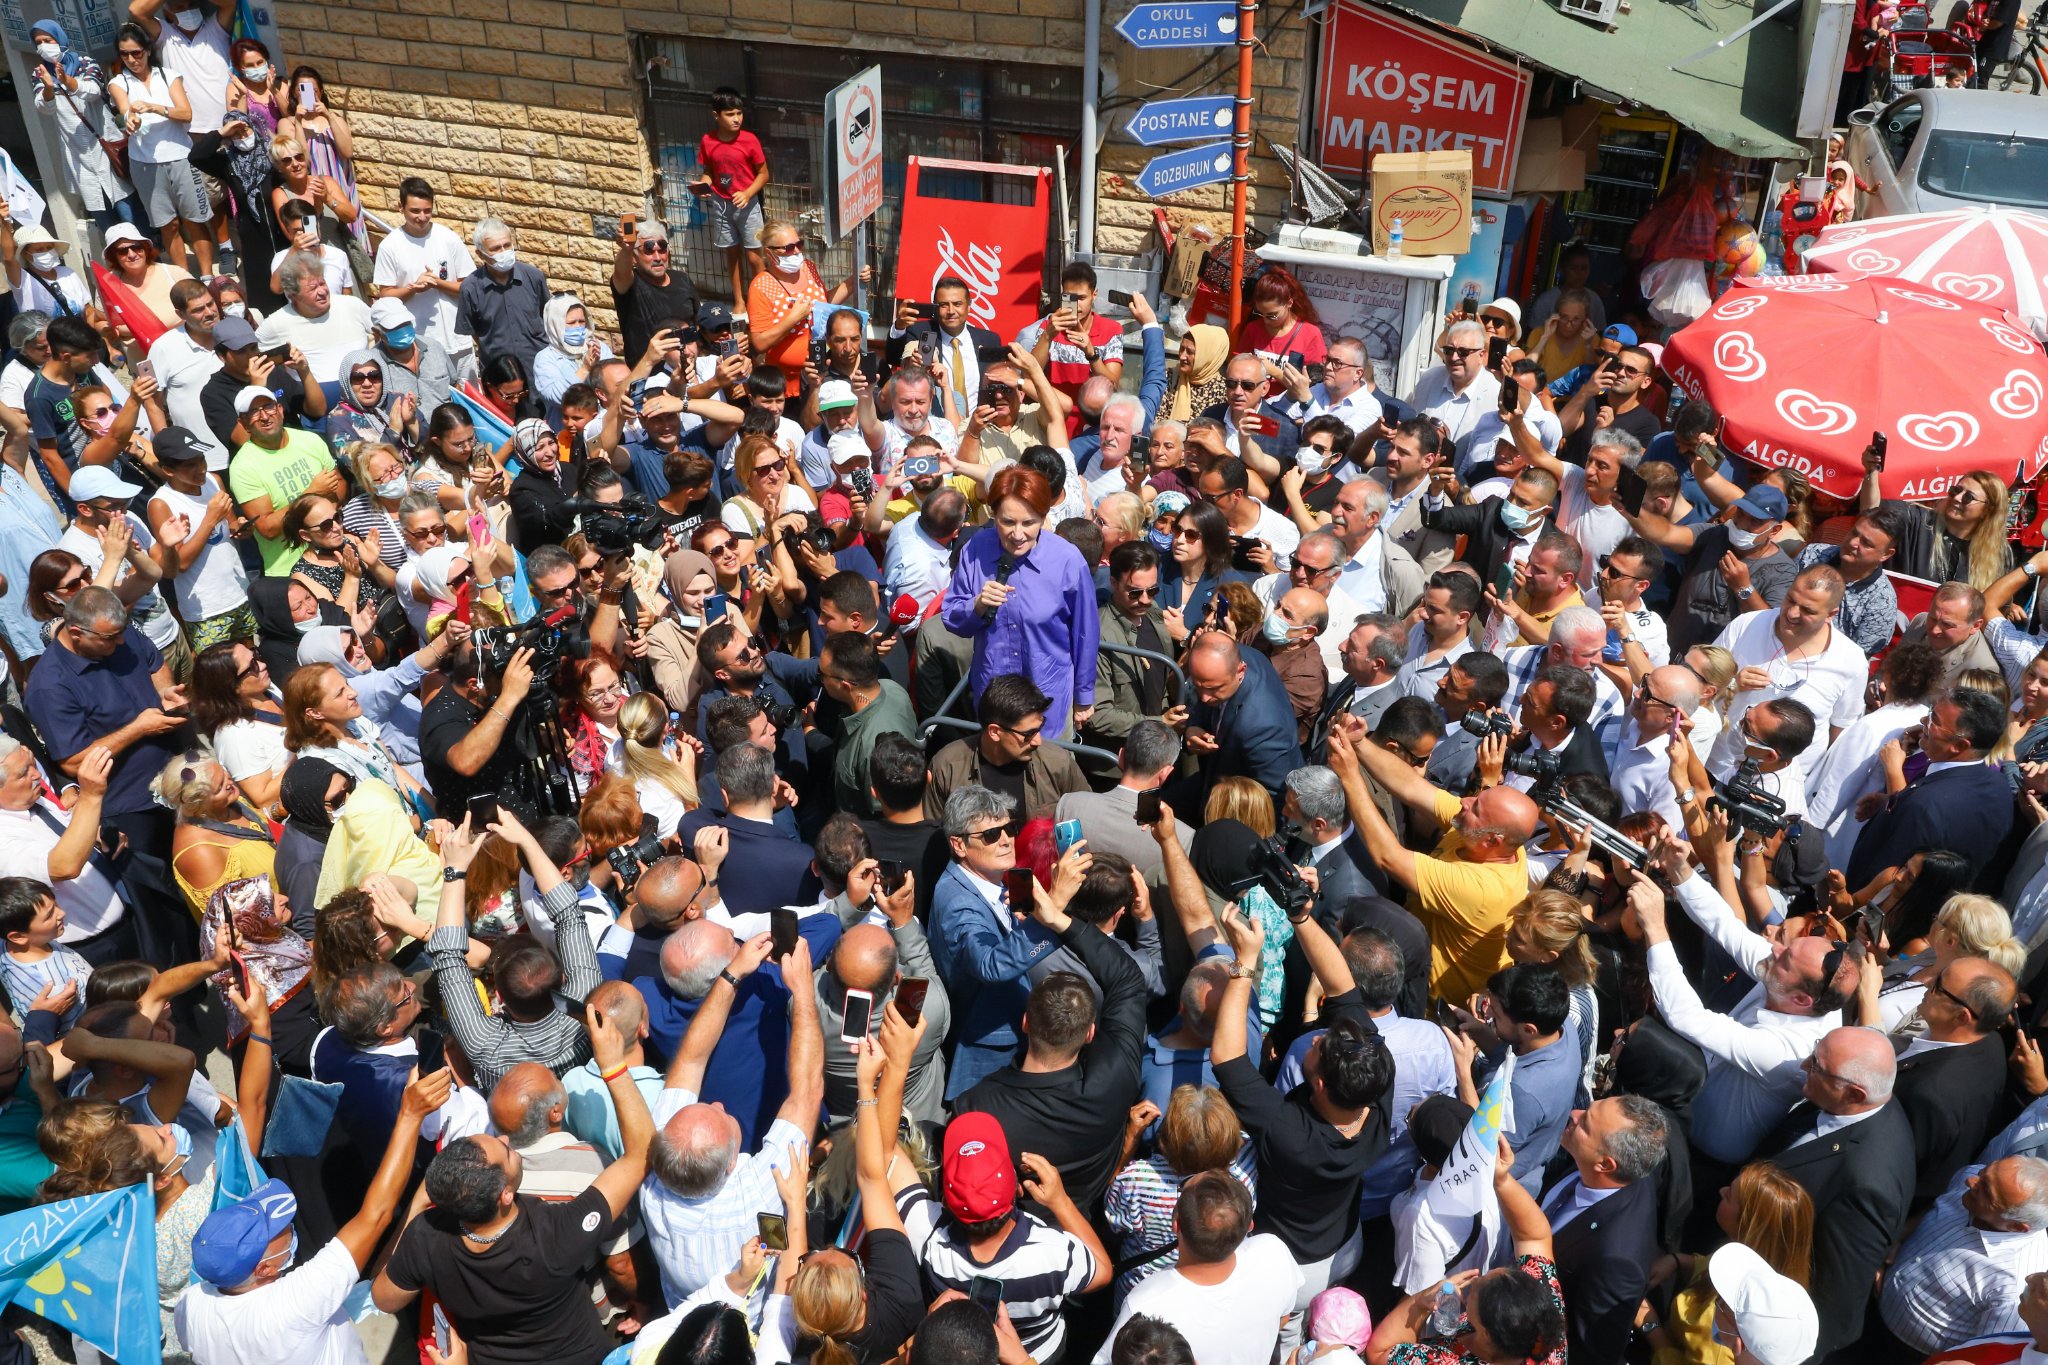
[(741, 841)]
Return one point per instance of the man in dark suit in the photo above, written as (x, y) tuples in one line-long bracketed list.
[(1493, 525), (946, 338), (1241, 724), (1851, 1148), (1958, 804), (1951, 1080), (765, 868), (1246, 410), (1601, 1201), (1555, 711)]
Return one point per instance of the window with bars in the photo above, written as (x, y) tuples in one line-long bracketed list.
[(1007, 113)]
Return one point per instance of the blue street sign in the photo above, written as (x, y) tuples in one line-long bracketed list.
[(1187, 169), (1164, 121), (1206, 23)]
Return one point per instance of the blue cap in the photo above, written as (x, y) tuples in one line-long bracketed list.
[(1621, 332), (1766, 500), (713, 317), (233, 1239)]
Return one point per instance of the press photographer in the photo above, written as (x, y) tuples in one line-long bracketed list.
[(464, 734)]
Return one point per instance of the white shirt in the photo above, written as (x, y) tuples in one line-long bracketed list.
[(1364, 576), (201, 58), (1597, 529), (1753, 1053), (1461, 413), (1647, 628), (1277, 530), (151, 616), (325, 341), (1850, 771), (1358, 409), (698, 1240), (1954, 1282), (914, 565), (896, 441), (298, 1317), (1640, 774), (1827, 1124), (14, 381), (401, 257), (182, 368), (250, 747), (334, 263), (216, 582), (1236, 1322), (1491, 432), (90, 901), (1829, 684)]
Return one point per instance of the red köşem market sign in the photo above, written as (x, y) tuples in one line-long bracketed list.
[(1394, 86)]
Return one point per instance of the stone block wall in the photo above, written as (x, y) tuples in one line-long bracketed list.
[(529, 110)]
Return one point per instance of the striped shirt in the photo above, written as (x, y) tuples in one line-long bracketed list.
[(1039, 1266), (496, 1043), (1139, 1207), (26, 980), (1524, 662), (1955, 1282)]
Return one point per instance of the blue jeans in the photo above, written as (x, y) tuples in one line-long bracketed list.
[(129, 210)]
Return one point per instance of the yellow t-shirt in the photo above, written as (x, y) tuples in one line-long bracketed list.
[(1465, 906), (907, 506)]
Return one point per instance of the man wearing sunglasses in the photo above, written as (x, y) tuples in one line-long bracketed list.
[(1953, 1081), (645, 288), (1256, 429), (1459, 390), (1617, 383), (1008, 754)]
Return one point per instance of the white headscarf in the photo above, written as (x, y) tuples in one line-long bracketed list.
[(554, 320)]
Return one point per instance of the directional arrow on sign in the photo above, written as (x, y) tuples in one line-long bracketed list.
[(1164, 121), (1187, 169), (1206, 23)]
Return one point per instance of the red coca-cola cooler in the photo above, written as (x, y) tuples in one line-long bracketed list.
[(998, 248)]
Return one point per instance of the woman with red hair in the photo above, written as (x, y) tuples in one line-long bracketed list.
[(1027, 601), (1282, 322)]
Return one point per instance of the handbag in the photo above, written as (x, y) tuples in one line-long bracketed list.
[(115, 148)]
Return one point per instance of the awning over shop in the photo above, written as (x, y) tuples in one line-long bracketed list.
[(1743, 98)]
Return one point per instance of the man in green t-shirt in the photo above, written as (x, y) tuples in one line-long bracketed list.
[(850, 672), (277, 465)]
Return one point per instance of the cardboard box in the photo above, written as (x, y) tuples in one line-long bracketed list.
[(1431, 193), (1549, 161)]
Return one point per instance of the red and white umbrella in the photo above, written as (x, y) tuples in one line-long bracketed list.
[(1803, 368), (1988, 255)]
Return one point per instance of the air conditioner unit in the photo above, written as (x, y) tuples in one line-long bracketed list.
[(1594, 11)]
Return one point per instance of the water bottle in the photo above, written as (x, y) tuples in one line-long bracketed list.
[(1443, 1319), (1394, 241)]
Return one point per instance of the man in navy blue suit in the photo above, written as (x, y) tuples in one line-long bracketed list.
[(1959, 803), (946, 338), (765, 866), (1241, 724)]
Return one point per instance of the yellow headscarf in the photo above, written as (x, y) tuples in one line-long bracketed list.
[(1212, 349)]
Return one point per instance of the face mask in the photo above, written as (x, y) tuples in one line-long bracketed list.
[(235, 310), (689, 622), (305, 626), (1160, 541), (399, 340), (791, 263), (503, 260), (102, 426), (1741, 539), (243, 144), (575, 337), (256, 75), (1277, 629), (45, 260), (49, 52), (189, 20), (393, 488), (580, 878), (1517, 518), (1311, 461), (182, 1138)]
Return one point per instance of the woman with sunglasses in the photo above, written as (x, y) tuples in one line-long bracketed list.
[(773, 489), (55, 576), (153, 108), (220, 836), (369, 411), (296, 179), (335, 562), (750, 587), (236, 706), (1201, 565), (780, 299), (509, 388), (132, 258)]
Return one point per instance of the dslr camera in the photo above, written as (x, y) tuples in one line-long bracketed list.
[(628, 861), (1541, 765), (614, 528), (1486, 724)]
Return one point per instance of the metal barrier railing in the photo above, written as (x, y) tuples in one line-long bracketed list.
[(943, 719)]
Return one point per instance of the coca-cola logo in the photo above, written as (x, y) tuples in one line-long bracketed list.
[(981, 268), (1427, 212)]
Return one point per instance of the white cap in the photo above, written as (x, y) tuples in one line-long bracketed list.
[(847, 446), (1773, 1315), (391, 314), (249, 397), (836, 393), (123, 232), (1506, 305), (98, 481)]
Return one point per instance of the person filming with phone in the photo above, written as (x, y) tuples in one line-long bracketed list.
[(940, 331)]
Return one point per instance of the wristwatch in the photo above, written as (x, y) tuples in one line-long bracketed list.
[(1744, 594), (454, 874), (729, 979)]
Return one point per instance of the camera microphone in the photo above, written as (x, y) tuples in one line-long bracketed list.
[(903, 612), (1005, 566)]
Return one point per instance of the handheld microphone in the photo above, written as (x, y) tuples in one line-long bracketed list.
[(904, 612), (1005, 566)]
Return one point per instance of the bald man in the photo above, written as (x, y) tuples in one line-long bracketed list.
[(1852, 1150), (1952, 1078), (527, 1108), (874, 957), (669, 892), (1463, 890), (1241, 722), (1641, 771), (591, 1115), (1293, 631), (1961, 1275)]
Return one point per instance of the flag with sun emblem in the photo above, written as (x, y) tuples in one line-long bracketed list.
[(89, 1266), (1457, 1224)]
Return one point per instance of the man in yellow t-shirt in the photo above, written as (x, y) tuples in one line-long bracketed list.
[(1464, 890)]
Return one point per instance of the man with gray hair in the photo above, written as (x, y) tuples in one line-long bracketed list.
[(1374, 572), (28, 338), (500, 307), (984, 944), (324, 327), (1960, 1276), (1589, 495), (1604, 1220), (423, 265), (1123, 420), (1577, 637), (701, 1194), (1312, 810), (1460, 390)]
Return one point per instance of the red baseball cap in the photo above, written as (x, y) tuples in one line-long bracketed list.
[(980, 1182)]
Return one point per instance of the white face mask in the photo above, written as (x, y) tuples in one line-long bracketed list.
[(1741, 539), (234, 310), (1311, 461), (243, 144), (189, 20), (504, 260), (48, 52), (256, 75), (790, 263), (393, 488), (45, 260)]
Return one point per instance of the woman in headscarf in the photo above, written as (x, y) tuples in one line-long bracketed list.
[(1199, 384), (1658, 1065), (286, 610), (439, 578), (572, 352), (669, 661), (369, 411), (1222, 858), (312, 791), (71, 88)]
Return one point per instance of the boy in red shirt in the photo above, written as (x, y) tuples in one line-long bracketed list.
[(735, 170)]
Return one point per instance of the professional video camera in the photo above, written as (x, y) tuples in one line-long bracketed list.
[(614, 528), (1486, 724), (1751, 807), (1271, 868), (550, 642)]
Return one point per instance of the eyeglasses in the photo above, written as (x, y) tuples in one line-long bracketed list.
[(1810, 1064), (435, 532), (97, 413), (1132, 590), (1186, 533), (365, 377), (256, 665), (608, 690), (325, 524), (563, 591), (298, 160), (1963, 495), (653, 248), (1033, 733), (1832, 963), (786, 248), (721, 547), (770, 467), (1301, 570), (134, 52), (71, 584), (1458, 352), (1244, 383), (1952, 997), (124, 248), (511, 395), (1335, 364), (1607, 569), (995, 834), (747, 650), (1650, 696)]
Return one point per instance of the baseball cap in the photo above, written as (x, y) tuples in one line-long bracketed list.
[(1340, 1315), (249, 397), (1621, 332), (1766, 500), (712, 317), (1506, 307), (835, 393), (847, 446), (233, 334), (1774, 1316), (98, 481), (233, 1239), (175, 443), (979, 1181), (390, 314)]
